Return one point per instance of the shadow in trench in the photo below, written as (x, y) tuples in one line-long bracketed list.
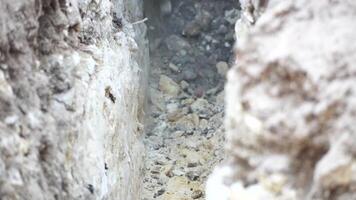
[(191, 46)]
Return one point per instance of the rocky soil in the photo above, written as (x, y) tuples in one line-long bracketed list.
[(191, 48)]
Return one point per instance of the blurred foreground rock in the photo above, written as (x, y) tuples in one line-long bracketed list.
[(291, 105)]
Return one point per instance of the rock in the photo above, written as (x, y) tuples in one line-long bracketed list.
[(222, 68), (191, 29), (160, 161), (172, 107), (188, 122), (190, 155), (176, 115), (192, 175), (203, 124), (168, 86), (159, 192), (192, 164), (201, 22), (189, 74), (173, 67), (200, 105), (197, 194), (336, 167), (232, 16), (156, 170), (274, 183), (156, 98), (199, 92), (178, 172), (176, 43), (222, 29), (183, 52), (179, 187), (187, 101), (168, 170), (184, 84)]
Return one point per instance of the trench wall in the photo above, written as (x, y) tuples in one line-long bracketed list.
[(71, 99)]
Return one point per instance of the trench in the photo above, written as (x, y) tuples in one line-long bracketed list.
[(191, 48)]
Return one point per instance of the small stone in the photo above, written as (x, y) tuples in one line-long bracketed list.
[(168, 86), (193, 176), (159, 162), (188, 101), (203, 124), (200, 105), (154, 176), (189, 74), (275, 183), (199, 92), (159, 192), (173, 67), (156, 170), (188, 122), (174, 116), (201, 22), (176, 43), (172, 107), (208, 38), (223, 29), (177, 172), (197, 194), (168, 171), (184, 84), (90, 188), (222, 68), (232, 15), (192, 164), (182, 52)]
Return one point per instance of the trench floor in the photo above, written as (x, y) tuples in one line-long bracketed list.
[(191, 48)]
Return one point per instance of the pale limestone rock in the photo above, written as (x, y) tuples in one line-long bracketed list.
[(200, 105), (156, 98), (168, 86), (180, 187), (184, 84), (188, 122), (222, 68)]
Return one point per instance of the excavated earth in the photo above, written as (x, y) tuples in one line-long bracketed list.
[(190, 49)]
